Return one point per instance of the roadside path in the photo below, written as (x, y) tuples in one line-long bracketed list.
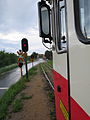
[(36, 108)]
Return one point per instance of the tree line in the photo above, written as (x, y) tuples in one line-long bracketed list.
[(7, 58), (48, 55), (11, 58)]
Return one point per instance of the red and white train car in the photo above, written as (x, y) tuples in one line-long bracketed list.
[(67, 24)]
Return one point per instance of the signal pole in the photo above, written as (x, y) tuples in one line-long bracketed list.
[(26, 67), (21, 72)]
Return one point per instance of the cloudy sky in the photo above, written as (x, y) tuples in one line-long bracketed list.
[(19, 19)]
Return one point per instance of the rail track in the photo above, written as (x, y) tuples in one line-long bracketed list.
[(48, 77), (49, 66)]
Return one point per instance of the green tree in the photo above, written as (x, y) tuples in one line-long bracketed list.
[(7, 58), (34, 55)]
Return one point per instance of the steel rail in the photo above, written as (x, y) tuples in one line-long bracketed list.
[(49, 66), (46, 76)]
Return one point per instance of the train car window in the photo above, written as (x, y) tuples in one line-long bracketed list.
[(62, 26), (85, 17), (82, 20)]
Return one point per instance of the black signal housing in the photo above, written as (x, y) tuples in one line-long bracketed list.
[(24, 44)]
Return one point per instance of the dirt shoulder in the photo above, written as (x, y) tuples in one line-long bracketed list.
[(37, 107)]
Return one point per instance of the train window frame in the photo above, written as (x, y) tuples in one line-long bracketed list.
[(78, 29), (59, 48)]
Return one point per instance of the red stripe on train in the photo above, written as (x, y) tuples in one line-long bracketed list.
[(77, 113)]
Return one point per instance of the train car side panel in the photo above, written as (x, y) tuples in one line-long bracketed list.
[(61, 86), (79, 59)]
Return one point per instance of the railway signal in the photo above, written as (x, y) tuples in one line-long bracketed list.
[(20, 60), (25, 55), (32, 59), (24, 44), (20, 64)]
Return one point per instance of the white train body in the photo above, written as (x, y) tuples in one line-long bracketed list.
[(71, 58)]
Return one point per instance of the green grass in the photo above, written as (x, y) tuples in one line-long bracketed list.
[(24, 97), (52, 102), (50, 62), (50, 94), (33, 71), (7, 68), (10, 67), (17, 105), (9, 96)]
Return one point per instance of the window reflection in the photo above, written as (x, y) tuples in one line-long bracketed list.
[(85, 17), (62, 18), (62, 21), (45, 20)]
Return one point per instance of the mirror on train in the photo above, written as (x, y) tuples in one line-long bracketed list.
[(44, 20)]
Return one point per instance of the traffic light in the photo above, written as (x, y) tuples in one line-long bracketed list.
[(24, 45)]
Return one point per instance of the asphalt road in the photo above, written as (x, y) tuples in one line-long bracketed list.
[(11, 77)]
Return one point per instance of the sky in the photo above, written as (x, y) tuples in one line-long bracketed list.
[(18, 20)]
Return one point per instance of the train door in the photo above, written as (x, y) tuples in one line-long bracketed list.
[(79, 57), (60, 63)]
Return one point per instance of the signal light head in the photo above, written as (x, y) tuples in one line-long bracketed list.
[(24, 43)]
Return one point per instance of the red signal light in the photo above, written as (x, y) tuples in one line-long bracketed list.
[(24, 45)]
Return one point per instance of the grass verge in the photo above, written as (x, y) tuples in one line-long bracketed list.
[(51, 97), (7, 68), (7, 99), (50, 62), (24, 97), (17, 105), (50, 94)]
